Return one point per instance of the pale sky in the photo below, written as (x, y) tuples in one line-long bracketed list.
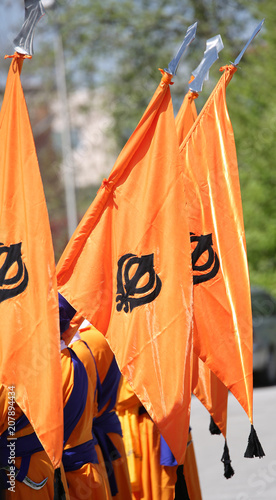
[(11, 20)]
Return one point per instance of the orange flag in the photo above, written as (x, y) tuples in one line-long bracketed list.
[(186, 116), (127, 269), (222, 302), (29, 344), (206, 386)]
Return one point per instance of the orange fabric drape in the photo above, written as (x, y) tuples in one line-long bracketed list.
[(222, 303), (29, 343), (127, 269), (186, 116), (206, 386)]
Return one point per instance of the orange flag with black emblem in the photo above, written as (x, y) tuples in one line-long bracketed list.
[(222, 300), (205, 385), (29, 343), (127, 269)]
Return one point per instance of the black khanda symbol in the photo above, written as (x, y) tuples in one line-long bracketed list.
[(204, 244), (129, 293), (19, 278)]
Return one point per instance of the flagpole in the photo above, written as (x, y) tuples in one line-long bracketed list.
[(66, 144), (67, 163)]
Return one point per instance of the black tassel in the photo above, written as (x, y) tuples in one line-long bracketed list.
[(59, 492), (181, 492), (254, 447), (213, 428), (228, 471)]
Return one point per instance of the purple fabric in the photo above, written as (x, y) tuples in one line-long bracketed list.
[(109, 387), (75, 405), (108, 422), (166, 456), (24, 447), (75, 458), (66, 313)]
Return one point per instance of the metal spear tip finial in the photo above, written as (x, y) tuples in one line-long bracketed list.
[(23, 42), (190, 36), (255, 32), (213, 46), (48, 3)]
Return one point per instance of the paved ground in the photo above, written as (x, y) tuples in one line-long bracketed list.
[(254, 479)]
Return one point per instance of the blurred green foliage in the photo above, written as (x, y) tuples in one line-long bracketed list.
[(252, 108)]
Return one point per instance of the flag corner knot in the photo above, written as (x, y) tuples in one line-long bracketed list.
[(17, 55), (228, 67), (108, 185), (193, 95), (166, 78), (16, 58)]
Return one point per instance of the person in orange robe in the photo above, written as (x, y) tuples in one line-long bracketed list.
[(86, 477), (150, 480), (30, 458), (39, 467), (106, 424)]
